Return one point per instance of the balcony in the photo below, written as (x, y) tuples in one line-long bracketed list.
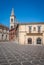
[(34, 34)]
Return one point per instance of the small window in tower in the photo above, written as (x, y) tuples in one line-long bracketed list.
[(11, 27), (11, 20)]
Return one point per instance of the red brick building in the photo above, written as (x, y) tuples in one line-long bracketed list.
[(13, 33)]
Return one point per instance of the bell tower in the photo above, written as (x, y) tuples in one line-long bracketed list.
[(12, 19)]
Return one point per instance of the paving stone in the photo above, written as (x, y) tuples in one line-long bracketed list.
[(16, 64), (3, 61), (42, 61), (1, 55), (5, 64), (41, 64), (37, 58), (2, 58), (35, 62), (13, 60), (26, 63), (42, 57), (30, 58), (17, 57), (25, 54), (22, 59), (10, 57)]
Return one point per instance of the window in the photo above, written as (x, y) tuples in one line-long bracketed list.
[(30, 29), (11, 20), (38, 40), (29, 41), (6, 36), (0, 29), (34, 28), (39, 28), (2, 36)]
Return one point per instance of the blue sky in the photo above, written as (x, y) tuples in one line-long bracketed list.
[(25, 10)]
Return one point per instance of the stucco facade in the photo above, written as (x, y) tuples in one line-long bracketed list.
[(24, 34), (4, 33)]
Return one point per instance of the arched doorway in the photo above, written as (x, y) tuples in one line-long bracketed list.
[(38, 40), (29, 41)]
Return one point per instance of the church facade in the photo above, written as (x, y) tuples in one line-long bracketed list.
[(26, 33)]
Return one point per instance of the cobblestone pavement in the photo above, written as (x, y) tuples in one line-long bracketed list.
[(15, 54)]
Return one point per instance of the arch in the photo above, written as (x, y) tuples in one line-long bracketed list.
[(2, 36), (38, 40), (29, 41)]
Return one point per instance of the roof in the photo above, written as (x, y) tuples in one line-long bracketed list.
[(4, 27), (15, 28), (12, 29), (29, 23), (12, 13)]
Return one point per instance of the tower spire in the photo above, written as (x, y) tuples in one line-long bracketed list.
[(12, 13)]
